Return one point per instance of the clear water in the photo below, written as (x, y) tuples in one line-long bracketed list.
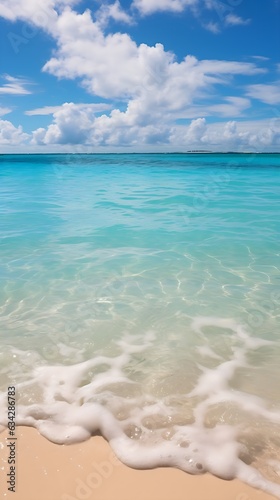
[(140, 298)]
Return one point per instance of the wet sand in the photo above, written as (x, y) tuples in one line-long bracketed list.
[(91, 471)]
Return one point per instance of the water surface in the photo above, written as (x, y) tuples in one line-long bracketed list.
[(140, 297)]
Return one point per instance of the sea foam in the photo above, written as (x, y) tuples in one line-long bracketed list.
[(69, 404)]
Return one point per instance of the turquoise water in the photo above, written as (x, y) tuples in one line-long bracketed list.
[(141, 297)]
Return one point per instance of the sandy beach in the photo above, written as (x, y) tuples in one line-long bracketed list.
[(91, 471)]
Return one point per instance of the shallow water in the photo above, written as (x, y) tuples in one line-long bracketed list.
[(140, 298)]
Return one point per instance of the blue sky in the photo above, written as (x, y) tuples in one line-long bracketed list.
[(139, 75)]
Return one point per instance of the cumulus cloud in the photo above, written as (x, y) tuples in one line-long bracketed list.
[(73, 125), (42, 13), (196, 131), (15, 86), (105, 63), (242, 136), (114, 66), (11, 135), (113, 11), (267, 93), (230, 130)]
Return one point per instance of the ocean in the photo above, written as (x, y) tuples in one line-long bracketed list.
[(140, 299)]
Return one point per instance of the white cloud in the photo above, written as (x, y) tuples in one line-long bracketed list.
[(45, 13), (234, 20), (50, 110), (223, 10), (230, 106), (243, 136), (15, 86), (196, 131), (46, 110), (113, 66), (42, 13), (113, 11), (267, 93), (72, 125), (159, 84), (230, 67), (261, 58), (213, 27), (106, 63), (4, 111), (230, 130), (233, 106), (146, 7), (130, 129), (154, 86), (11, 135), (119, 128)]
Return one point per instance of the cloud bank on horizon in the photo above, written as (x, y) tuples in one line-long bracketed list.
[(142, 75)]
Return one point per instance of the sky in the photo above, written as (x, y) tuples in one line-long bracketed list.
[(139, 75)]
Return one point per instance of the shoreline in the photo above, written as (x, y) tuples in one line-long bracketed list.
[(91, 471)]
